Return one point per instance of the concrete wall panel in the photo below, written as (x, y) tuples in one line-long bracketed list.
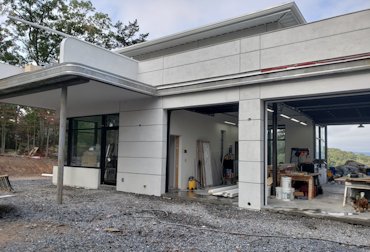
[(251, 195), (155, 166), (144, 117), (77, 51), (154, 78), (317, 49), (202, 54), (325, 28), (150, 65), (250, 44), (142, 149), (251, 172), (250, 61), (78, 177), (140, 183), (144, 133), (201, 70), (202, 98)]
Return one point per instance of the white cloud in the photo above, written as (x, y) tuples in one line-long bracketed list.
[(164, 17)]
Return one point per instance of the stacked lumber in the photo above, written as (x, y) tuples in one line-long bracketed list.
[(225, 191), (204, 167)]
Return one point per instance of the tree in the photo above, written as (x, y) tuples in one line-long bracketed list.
[(74, 17)]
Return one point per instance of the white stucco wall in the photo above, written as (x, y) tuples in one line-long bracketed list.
[(77, 51), (298, 136), (331, 38), (190, 127), (79, 177), (142, 147)]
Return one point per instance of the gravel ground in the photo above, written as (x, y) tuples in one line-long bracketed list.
[(106, 220)]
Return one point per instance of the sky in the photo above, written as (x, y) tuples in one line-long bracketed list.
[(165, 17)]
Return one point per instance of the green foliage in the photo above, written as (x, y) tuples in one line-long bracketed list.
[(74, 17), (339, 157), (22, 128)]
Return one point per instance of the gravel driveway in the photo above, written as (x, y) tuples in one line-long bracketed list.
[(106, 220)]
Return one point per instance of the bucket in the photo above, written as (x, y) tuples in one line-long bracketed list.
[(287, 194), (278, 192), (286, 182)]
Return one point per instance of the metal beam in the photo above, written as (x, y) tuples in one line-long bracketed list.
[(62, 134), (274, 147), (40, 26)]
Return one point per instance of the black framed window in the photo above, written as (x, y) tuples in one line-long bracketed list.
[(281, 132), (85, 138)]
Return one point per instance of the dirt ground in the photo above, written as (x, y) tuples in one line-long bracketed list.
[(107, 220), (19, 166)]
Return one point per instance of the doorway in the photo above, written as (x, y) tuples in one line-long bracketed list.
[(174, 160), (110, 158)]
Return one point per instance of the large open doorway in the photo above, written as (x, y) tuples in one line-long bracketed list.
[(299, 152), (203, 145)]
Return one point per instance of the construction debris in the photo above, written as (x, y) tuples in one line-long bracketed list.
[(225, 191), (5, 184)]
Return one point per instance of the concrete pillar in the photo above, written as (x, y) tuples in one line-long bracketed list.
[(142, 147), (251, 152), (62, 136)]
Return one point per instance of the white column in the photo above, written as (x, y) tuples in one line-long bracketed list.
[(251, 152), (62, 135), (142, 147)]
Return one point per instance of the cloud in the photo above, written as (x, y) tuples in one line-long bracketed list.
[(165, 17)]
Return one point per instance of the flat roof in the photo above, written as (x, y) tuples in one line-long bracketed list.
[(66, 74), (287, 14)]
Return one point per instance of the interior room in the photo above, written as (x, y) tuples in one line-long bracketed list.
[(298, 173), (202, 147)]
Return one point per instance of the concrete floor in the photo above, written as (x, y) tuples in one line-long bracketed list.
[(330, 203), (327, 205)]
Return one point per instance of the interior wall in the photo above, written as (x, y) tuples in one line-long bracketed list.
[(191, 127), (298, 136)]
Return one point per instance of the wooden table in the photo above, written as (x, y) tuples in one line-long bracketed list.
[(309, 178), (354, 183)]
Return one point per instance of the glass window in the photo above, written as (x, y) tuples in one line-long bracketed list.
[(320, 142), (280, 145), (112, 121), (86, 141)]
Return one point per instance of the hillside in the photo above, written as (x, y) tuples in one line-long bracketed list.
[(339, 157), (17, 166)]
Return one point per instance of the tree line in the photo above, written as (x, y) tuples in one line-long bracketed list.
[(339, 157), (23, 128)]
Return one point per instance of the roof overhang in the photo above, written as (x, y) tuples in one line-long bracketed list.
[(287, 14), (66, 74)]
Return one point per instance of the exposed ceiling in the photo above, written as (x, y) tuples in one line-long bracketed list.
[(211, 110), (351, 109)]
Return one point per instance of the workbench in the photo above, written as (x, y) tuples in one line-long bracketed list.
[(354, 183), (309, 178)]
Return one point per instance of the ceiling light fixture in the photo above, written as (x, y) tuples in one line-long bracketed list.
[(303, 123), (270, 110), (285, 116), (231, 123), (294, 120)]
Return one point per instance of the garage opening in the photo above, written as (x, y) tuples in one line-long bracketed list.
[(202, 149), (300, 171)]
